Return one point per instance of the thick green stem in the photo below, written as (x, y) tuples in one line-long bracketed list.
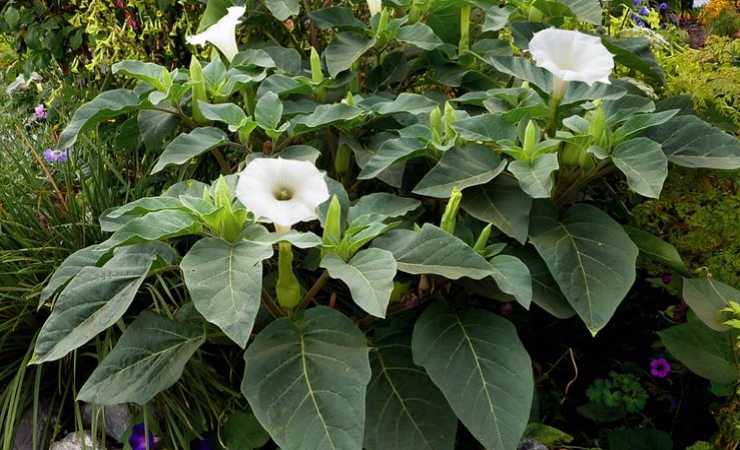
[(464, 28)]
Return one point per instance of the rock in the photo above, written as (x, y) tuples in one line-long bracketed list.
[(531, 444), (23, 439), (117, 418), (73, 441)]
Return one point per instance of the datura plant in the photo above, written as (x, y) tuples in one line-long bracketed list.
[(351, 207)]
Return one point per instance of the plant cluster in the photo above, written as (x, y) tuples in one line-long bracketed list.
[(346, 204)]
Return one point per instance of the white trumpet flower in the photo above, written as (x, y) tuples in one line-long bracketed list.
[(375, 6), (222, 34), (571, 56), (283, 191)]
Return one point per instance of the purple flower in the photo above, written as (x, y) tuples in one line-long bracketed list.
[(663, 6), (660, 367), (667, 278), (637, 2), (40, 112), (138, 440), (644, 11), (55, 156), (639, 22)]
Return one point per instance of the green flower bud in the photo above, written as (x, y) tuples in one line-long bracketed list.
[(449, 218), (287, 288), (480, 244), (316, 74), (531, 139), (198, 89), (333, 224)]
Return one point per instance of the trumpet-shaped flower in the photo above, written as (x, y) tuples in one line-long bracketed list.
[(375, 6), (222, 34), (571, 56), (283, 191)]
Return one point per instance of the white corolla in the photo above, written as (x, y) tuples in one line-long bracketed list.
[(282, 191), (375, 6), (571, 56), (222, 34)]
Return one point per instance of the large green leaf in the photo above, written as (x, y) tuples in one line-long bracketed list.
[(269, 110), (639, 122), (545, 290), (536, 178), (405, 410), (92, 301), (155, 127), (502, 203), (107, 105), (586, 10), (636, 53), (706, 297), (382, 204), (164, 224), (337, 17), (369, 276), (477, 360), (512, 277), (283, 9), (149, 358), (406, 102), (71, 266), (305, 380), (153, 74), (460, 167), (706, 352), (690, 142), (189, 145), (489, 127), (325, 115), (224, 280), (589, 255), (657, 249), (644, 164), (391, 151), (344, 50), (419, 35), (433, 250), (243, 432)]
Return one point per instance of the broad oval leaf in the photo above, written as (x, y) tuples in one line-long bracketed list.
[(71, 266), (657, 249), (382, 204), (477, 360), (589, 255), (405, 410), (512, 277), (305, 380), (150, 73), (344, 50), (489, 127), (391, 151), (283, 9), (189, 145), (149, 358), (224, 280), (92, 301), (419, 35), (163, 224), (369, 276), (707, 352), (644, 164), (707, 297), (461, 167), (502, 203), (336, 17), (545, 291), (433, 250), (536, 178), (105, 106), (690, 142)]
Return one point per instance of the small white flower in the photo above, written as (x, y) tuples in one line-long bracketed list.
[(283, 191), (700, 3), (222, 34), (571, 56), (375, 6)]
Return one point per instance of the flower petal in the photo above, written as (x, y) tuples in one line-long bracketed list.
[(572, 55), (222, 34)]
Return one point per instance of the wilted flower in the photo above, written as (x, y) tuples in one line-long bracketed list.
[(571, 56), (283, 191), (660, 367), (375, 6), (138, 438), (40, 112), (55, 156), (222, 34)]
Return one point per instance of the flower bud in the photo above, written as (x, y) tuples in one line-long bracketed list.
[(449, 218), (287, 288), (198, 88), (531, 139)]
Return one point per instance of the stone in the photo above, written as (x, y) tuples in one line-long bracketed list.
[(23, 437), (531, 444), (74, 441), (117, 418)]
